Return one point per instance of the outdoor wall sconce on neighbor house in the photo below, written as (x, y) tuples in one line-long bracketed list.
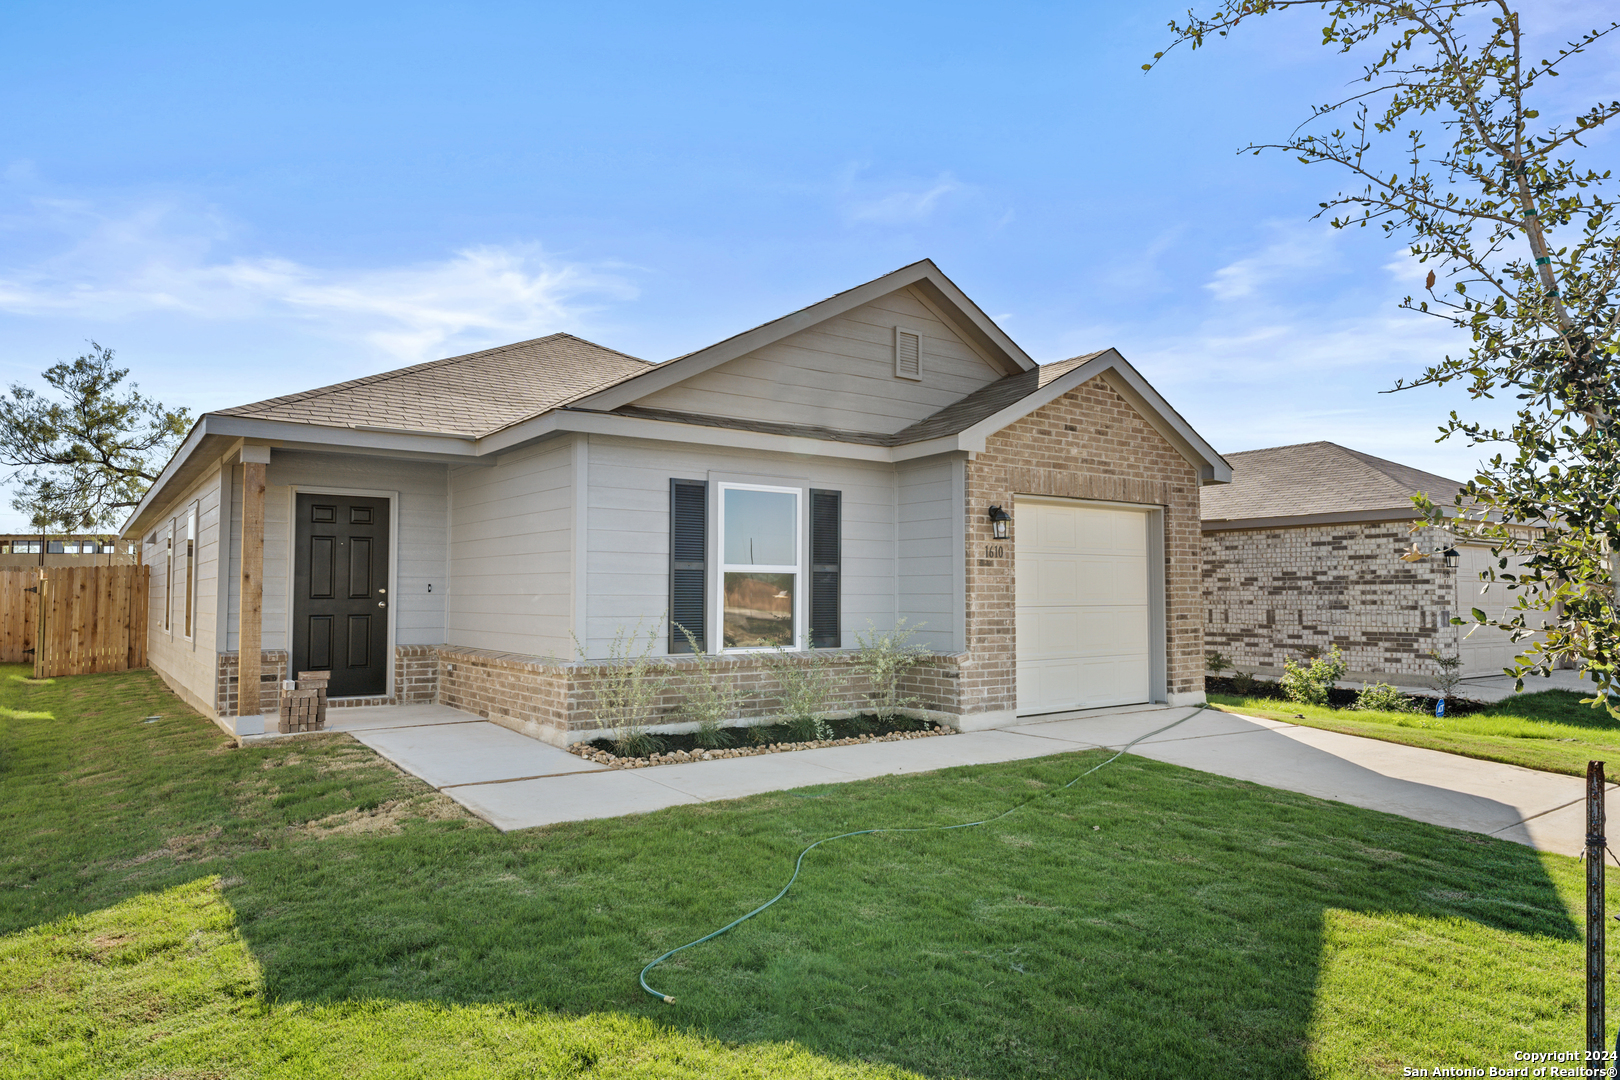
[(998, 522), (1450, 555)]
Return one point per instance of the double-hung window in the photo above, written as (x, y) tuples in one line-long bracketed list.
[(763, 572), (760, 601)]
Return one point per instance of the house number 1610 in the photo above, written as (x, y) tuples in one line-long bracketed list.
[(994, 551)]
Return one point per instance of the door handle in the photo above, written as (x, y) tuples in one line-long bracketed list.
[(381, 604)]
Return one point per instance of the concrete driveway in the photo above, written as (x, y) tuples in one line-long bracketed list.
[(514, 782)]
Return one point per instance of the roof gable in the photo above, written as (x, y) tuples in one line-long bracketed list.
[(840, 373), (467, 395), (923, 279), (1319, 478)]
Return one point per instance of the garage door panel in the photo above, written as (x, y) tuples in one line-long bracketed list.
[(1083, 623), (1486, 650)]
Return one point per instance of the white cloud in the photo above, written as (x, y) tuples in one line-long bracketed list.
[(164, 257), (1296, 249), (904, 206)]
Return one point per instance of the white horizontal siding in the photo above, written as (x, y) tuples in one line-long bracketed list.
[(189, 663), (839, 374), (926, 559), (510, 551), (627, 528)]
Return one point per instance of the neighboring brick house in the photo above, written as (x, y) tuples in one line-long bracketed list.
[(1302, 551), (452, 532)]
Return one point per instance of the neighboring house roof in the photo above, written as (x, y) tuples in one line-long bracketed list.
[(473, 394), (1318, 481)]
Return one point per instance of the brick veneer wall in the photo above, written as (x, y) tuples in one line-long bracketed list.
[(272, 670), (1270, 594), (1088, 444), (416, 674), (554, 701)]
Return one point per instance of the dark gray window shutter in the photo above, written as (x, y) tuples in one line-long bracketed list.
[(826, 527), (688, 550)]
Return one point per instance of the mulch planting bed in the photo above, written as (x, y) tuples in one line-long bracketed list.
[(761, 739), (1338, 699)]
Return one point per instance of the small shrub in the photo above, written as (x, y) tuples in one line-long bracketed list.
[(1244, 684), (808, 689), (711, 699), (884, 659), (1309, 683), (627, 690), (1382, 697), (1449, 673), (761, 734), (808, 728), (1216, 662)]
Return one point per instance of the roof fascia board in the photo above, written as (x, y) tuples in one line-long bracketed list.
[(636, 427), (177, 460), (675, 371), (298, 436), (981, 334), (357, 438), (1300, 521), (1131, 386)]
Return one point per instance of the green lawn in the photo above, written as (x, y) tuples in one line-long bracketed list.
[(1549, 730), (173, 907)]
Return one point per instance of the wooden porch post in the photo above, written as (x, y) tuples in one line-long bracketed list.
[(250, 616)]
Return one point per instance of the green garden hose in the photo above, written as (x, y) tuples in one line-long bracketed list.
[(798, 863)]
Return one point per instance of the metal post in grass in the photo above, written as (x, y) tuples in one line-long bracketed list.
[(1595, 853)]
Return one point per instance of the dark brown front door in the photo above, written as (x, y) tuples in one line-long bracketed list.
[(340, 592)]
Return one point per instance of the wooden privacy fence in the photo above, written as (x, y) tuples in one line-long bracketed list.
[(73, 620)]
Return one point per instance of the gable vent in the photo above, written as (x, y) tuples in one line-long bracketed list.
[(907, 354)]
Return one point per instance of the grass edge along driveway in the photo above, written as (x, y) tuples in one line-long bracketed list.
[(171, 905), (1549, 730)]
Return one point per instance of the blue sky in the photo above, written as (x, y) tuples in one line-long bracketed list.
[(250, 199)]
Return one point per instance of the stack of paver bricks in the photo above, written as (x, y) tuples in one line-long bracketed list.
[(303, 703)]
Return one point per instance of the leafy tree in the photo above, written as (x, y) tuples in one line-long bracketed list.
[(85, 457), (1447, 150)]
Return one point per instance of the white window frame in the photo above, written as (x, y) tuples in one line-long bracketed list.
[(168, 580), (189, 616), (723, 567)]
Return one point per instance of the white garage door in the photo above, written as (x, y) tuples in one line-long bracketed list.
[(1485, 650), (1083, 623)]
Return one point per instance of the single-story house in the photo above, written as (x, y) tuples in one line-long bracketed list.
[(1302, 551), (475, 531)]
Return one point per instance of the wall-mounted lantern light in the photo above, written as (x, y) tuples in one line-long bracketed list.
[(998, 522), (1451, 555)]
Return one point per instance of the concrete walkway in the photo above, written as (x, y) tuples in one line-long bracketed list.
[(515, 782)]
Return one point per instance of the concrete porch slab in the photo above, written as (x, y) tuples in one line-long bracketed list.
[(470, 753), (379, 717)]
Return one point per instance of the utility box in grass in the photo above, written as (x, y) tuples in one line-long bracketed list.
[(303, 703)]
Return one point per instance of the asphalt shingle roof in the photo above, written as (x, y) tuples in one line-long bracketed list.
[(470, 395), (1317, 478), (482, 392)]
